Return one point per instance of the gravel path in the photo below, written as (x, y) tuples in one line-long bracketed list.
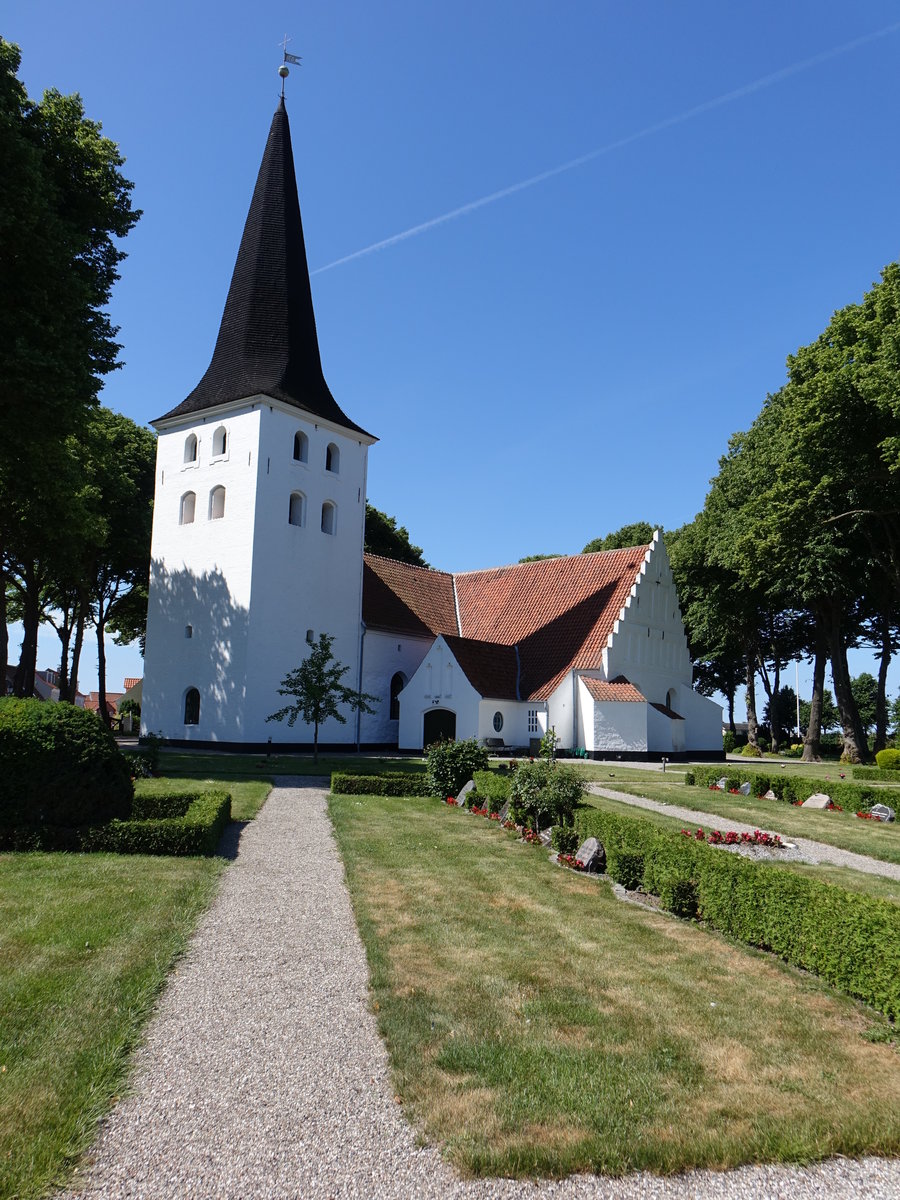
[(808, 850), (262, 1074)]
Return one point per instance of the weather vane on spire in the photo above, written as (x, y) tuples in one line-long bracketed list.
[(284, 70)]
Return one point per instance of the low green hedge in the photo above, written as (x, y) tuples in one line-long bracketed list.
[(889, 759), (391, 783), (881, 774), (849, 939), (189, 823), (493, 786), (790, 788)]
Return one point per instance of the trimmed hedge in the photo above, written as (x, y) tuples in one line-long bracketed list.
[(391, 783), (882, 774), (889, 759), (59, 765), (849, 939), (189, 823), (789, 788)]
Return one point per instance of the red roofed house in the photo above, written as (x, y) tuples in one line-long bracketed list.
[(592, 645)]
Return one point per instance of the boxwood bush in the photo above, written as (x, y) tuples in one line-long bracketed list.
[(790, 788), (187, 823), (391, 783), (888, 760), (59, 765), (849, 939), (450, 765)]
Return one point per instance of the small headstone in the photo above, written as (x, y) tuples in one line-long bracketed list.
[(770, 795), (817, 800), (883, 812), (722, 784), (546, 836), (591, 853), (464, 793), (504, 813), (744, 789)]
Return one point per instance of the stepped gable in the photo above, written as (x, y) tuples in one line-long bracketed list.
[(406, 599), (490, 667), (558, 611), (267, 343), (618, 689)]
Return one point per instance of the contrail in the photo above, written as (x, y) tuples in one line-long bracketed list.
[(748, 89)]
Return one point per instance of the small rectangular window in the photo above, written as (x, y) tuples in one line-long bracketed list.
[(188, 631), (533, 726)]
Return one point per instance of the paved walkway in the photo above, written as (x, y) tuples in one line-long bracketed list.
[(262, 1074), (810, 851)]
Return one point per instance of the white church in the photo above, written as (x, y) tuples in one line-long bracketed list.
[(258, 535)]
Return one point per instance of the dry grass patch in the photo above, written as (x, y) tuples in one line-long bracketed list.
[(537, 1025)]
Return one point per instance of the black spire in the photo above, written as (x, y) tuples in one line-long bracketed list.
[(267, 341)]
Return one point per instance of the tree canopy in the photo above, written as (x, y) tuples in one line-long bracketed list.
[(385, 537), (638, 533)]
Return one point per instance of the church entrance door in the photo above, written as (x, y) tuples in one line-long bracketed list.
[(439, 723)]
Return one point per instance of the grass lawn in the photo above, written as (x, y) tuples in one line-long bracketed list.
[(843, 829), (535, 1024), (239, 766), (86, 942), (247, 794)]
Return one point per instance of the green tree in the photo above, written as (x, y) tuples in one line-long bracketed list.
[(63, 205), (538, 557), (385, 537), (865, 694), (830, 718), (318, 692), (638, 533)]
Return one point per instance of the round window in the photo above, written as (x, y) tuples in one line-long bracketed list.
[(498, 721)]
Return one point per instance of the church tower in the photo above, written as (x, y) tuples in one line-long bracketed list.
[(259, 516)]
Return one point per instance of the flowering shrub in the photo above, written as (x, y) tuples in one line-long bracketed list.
[(864, 816), (451, 800), (715, 837), (531, 836), (569, 860), (451, 764)]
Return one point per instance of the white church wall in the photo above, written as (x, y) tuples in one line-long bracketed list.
[(562, 710), (702, 720), (198, 609), (438, 684), (620, 726), (385, 654), (664, 735), (306, 581), (515, 728)]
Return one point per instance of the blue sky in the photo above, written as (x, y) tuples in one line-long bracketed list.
[(568, 357)]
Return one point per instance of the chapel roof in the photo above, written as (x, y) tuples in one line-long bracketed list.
[(558, 611), (618, 689), (554, 614), (267, 341), (406, 599)]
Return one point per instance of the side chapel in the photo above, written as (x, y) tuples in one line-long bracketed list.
[(258, 534)]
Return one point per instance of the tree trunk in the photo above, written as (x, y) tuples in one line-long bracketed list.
[(775, 710), (752, 724), (881, 715), (4, 632), (101, 667), (76, 653), (316, 742), (730, 698), (812, 750), (31, 620), (856, 746)]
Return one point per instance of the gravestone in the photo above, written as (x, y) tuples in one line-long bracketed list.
[(817, 800), (722, 784), (883, 812), (504, 813), (592, 854), (546, 836), (770, 795), (464, 793), (744, 789)]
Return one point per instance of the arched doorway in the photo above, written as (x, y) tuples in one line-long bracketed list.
[(439, 723)]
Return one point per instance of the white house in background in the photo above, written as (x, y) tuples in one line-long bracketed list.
[(258, 534)]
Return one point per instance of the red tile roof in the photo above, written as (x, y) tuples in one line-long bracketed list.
[(618, 689), (131, 681), (490, 667), (407, 599), (559, 611)]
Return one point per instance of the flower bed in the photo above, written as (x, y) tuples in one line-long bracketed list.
[(715, 837)]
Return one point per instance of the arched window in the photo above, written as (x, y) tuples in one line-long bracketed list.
[(190, 448), (301, 447), (217, 503), (329, 517), (192, 707), (186, 511), (398, 683), (671, 697), (297, 510), (332, 458), (219, 442)]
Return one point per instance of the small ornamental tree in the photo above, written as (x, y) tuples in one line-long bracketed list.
[(318, 692)]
